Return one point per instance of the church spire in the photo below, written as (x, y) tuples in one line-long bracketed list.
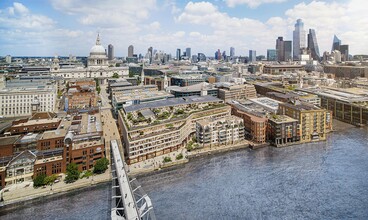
[(98, 39)]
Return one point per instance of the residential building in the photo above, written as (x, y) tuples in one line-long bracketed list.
[(222, 131), (254, 118), (283, 130), (155, 128), (312, 119), (229, 91)]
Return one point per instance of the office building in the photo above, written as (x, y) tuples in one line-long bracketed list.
[(8, 59), (252, 56), (271, 55), (200, 89), (344, 49), (313, 45), (130, 51), (232, 51), (336, 43), (283, 49), (178, 54), (186, 79), (22, 97), (81, 94), (188, 52), (229, 91), (287, 50), (110, 52), (298, 39)]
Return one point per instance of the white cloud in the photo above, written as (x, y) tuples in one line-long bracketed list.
[(251, 3), (19, 16), (155, 25)]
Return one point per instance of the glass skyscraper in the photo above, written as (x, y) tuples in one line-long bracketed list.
[(298, 39), (252, 56), (336, 44), (271, 55), (313, 45)]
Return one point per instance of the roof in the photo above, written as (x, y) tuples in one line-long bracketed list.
[(172, 102), (8, 140), (301, 106), (282, 119), (43, 115), (191, 88)]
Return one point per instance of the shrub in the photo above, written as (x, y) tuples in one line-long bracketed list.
[(101, 165), (87, 174), (179, 156), (167, 159)]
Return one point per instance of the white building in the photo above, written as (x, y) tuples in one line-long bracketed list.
[(8, 59), (22, 97), (97, 66), (227, 130)]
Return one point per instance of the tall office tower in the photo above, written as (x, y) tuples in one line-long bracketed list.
[(218, 54), (252, 56), (313, 45), (110, 52), (150, 55), (130, 51), (336, 43), (287, 51), (224, 55), (178, 54), (201, 57), (280, 56), (232, 51), (298, 39), (344, 49), (271, 55), (188, 52)]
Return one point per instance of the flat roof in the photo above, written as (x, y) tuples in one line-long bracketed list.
[(172, 102), (37, 122), (267, 102), (8, 140), (281, 119), (140, 95), (47, 160), (192, 88)]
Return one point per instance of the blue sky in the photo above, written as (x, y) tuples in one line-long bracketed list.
[(63, 27)]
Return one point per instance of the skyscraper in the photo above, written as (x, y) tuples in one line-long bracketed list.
[(188, 52), (344, 49), (218, 54), (130, 51), (336, 43), (150, 54), (298, 39), (280, 56), (232, 51), (110, 52), (178, 54), (313, 45), (271, 55), (287, 51), (252, 56)]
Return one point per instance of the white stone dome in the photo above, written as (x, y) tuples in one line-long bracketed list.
[(97, 49)]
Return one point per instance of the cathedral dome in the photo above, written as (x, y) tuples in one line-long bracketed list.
[(98, 49)]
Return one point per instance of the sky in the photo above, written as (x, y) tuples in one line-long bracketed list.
[(63, 27)]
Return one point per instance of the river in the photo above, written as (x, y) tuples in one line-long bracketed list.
[(324, 180)]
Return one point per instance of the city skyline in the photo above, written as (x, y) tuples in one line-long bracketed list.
[(47, 28)]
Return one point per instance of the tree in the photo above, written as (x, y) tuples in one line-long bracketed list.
[(50, 179), (39, 180), (101, 165), (72, 173), (115, 75), (179, 156)]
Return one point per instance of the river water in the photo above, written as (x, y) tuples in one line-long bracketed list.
[(325, 180)]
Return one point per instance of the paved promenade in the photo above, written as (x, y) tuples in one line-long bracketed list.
[(25, 191)]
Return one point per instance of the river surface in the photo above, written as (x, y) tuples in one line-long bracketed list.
[(325, 180)]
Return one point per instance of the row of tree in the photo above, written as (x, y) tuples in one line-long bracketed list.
[(72, 173)]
